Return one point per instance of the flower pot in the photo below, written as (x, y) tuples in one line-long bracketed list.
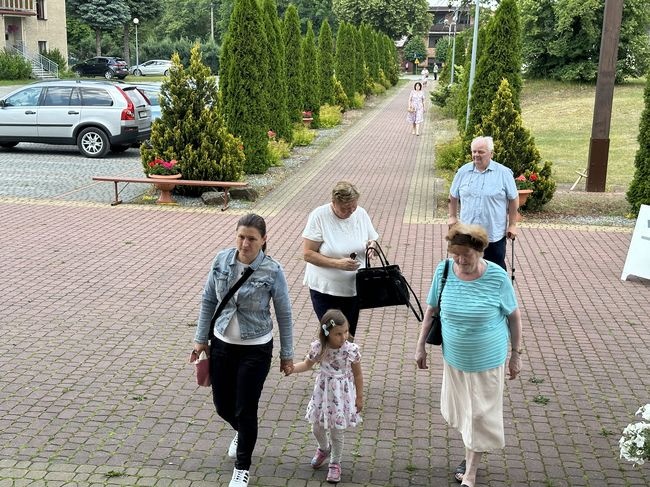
[(307, 121), (523, 196), (165, 184)]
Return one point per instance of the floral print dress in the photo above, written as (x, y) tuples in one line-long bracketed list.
[(416, 99), (332, 403)]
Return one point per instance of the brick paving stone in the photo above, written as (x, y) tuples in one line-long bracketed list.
[(99, 305)]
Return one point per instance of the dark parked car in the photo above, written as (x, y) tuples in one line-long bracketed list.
[(106, 66)]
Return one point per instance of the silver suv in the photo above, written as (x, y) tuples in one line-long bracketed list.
[(93, 115)]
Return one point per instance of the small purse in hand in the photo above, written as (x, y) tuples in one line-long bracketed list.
[(202, 368), (435, 332)]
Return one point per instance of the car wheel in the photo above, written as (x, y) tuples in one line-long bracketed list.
[(119, 148), (137, 72), (166, 73), (108, 74), (93, 142), (8, 145)]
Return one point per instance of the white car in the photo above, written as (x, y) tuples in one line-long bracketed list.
[(154, 67), (96, 116)]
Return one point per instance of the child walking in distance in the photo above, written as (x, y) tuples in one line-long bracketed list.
[(337, 399)]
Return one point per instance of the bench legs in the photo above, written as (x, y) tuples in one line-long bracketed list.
[(117, 199)]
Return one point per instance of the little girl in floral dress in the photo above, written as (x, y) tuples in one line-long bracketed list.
[(337, 399)]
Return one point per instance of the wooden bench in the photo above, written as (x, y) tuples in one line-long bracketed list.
[(167, 185)]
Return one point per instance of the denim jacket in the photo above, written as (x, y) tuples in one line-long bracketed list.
[(253, 300)]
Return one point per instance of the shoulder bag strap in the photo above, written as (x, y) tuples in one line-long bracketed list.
[(384, 262), (231, 292), (444, 281)]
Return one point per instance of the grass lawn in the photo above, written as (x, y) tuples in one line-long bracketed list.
[(560, 116)]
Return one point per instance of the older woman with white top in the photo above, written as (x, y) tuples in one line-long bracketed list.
[(334, 246)]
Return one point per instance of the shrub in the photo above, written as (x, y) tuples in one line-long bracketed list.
[(383, 80), (378, 89), (448, 154), (278, 150), (13, 66), (55, 56), (191, 128), (340, 97), (358, 100), (302, 135), (330, 116), (440, 96)]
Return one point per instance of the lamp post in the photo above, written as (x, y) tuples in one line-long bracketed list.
[(136, 21), (212, 21), (453, 51)]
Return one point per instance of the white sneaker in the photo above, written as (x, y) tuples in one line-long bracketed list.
[(232, 449), (239, 478)]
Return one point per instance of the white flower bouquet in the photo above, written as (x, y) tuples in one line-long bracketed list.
[(635, 442)]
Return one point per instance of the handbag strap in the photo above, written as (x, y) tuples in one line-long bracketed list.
[(384, 263), (231, 292), (444, 281)]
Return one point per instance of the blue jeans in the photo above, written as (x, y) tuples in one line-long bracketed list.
[(238, 373), (348, 305), (496, 252)]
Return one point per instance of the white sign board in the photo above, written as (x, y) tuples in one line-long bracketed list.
[(638, 255)]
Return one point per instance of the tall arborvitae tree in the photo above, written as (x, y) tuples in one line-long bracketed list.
[(514, 146), (359, 72), (311, 74), (245, 96), (345, 59), (370, 51), (500, 58), (293, 59), (391, 61), (639, 191), (277, 76), (325, 57), (191, 129)]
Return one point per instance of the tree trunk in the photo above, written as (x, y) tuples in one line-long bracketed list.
[(98, 42), (126, 53)]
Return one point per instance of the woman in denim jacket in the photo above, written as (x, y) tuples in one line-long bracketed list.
[(242, 347)]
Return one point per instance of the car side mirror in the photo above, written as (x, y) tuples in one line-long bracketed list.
[(2, 104)]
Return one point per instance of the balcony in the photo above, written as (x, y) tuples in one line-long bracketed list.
[(18, 7)]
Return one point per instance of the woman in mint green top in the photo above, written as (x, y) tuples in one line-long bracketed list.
[(479, 316)]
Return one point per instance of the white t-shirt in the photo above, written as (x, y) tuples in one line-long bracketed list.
[(339, 239)]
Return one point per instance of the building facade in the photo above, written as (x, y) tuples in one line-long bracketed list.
[(34, 26), (448, 18)]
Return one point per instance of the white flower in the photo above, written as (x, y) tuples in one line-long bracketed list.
[(644, 412), (635, 442)]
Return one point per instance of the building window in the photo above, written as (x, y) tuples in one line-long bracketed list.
[(433, 40), (40, 9), (42, 47)]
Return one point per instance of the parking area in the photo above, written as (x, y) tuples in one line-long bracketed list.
[(62, 173)]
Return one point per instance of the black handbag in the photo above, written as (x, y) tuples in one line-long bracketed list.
[(384, 285), (434, 336)]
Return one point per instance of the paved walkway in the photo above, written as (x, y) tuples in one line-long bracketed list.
[(99, 303)]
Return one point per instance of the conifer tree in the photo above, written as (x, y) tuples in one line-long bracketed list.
[(370, 51), (325, 58), (392, 61), (244, 94), (639, 191), (292, 42), (345, 58), (500, 58), (191, 128), (311, 75), (359, 71), (277, 76), (514, 146)]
